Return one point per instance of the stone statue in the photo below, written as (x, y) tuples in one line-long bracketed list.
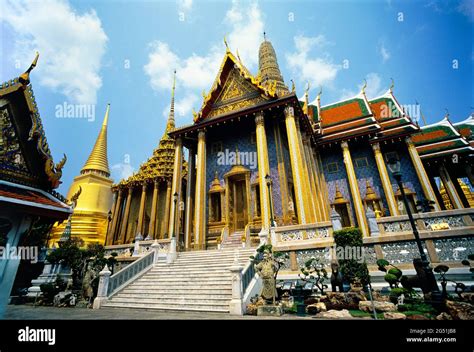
[(267, 270), (87, 289), (336, 278)]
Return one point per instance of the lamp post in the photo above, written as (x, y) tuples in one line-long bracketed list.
[(175, 200), (431, 284), (109, 218), (268, 180)]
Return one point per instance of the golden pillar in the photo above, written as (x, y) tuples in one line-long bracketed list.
[(282, 174), (176, 188), (263, 169), (154, 206), (386, 184), (189, 198), (297, 167), (322, 194), (141, 211), (449, 187), (126, 213), (311, 168), (357, 200), (200, 195), (307, 194), (166, 218), (422, 176), (116, 216)]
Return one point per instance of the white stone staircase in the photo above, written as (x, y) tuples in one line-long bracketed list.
[(196, 281), (233, 241)]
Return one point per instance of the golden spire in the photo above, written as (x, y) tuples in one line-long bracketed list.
[(97, 160), (170, 125), (268, 68)]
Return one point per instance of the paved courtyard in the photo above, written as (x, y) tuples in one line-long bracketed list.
[(27, 312)]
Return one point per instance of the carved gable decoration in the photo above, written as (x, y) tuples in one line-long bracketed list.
[(237, 93)]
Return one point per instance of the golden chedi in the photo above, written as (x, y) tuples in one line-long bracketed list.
[(90, 218)]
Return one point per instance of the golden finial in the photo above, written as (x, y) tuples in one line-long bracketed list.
[(293, 88), (307, 87), (238, 56), (264, 36), (364, 86), (320, 92), (447, 114), (391, 86), (226, 45), (25, 77)]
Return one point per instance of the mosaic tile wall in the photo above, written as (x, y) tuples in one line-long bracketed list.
[(454, 249), (409, 178), (402, 252), (369, 172), (334, 155), (323, 255)]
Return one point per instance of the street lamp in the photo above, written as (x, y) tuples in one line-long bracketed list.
[(175, 200), (268, 180), (431, 284), (109, 218)]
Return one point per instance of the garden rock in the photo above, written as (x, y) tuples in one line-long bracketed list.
[(394, 316), (366, 306)]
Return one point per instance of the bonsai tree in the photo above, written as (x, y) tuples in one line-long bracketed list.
[(393, 274), (352, 270), (69, 254), (313, 271)]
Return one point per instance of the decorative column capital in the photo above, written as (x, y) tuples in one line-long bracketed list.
[(120, 192), (156, 183), (289, 111), (259, 118), (179, 141), (201, 135), (376, 147), (409, 141), (344, 145), (168, 183), (144, 186)]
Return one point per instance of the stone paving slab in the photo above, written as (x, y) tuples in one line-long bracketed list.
[(26, 312)]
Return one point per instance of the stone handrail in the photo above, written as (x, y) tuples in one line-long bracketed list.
[(306, 234), (446, 221), (126, 250), (248, 237), (111, 284)]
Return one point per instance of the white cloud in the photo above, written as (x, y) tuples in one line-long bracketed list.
[(384, 53), (182, 107), (185, 5), (71, 45), (466, 7), (317, 71), (121, 171), (374, 88), (196, 73)]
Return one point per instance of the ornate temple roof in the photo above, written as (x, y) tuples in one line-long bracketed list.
[(268, 68), (439, 139), (235, 88), (466, 128), (160, 165), (25, 155), (98, 160)]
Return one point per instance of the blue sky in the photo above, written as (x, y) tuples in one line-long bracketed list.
[(124, 52)]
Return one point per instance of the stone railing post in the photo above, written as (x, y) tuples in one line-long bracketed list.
[(236, 304), (373, 226), (136, 246), (336, 220), (156, 248), (171, 256), (104, 278)]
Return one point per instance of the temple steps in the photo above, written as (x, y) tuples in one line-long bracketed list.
[(195, 281)]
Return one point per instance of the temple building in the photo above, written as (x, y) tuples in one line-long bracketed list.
[(29, 206), (142, 202), (258, 158), (91, 216)]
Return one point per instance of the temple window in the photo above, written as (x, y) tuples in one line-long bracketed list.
[(361, 162), (216, 194), (341, 206), (373, 201), (332, 168)]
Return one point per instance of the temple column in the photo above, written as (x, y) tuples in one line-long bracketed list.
[(450, 188), (354, 187), (166, 217), (200, 195), (189, 199), (386, 184), (318, 212), (309, 200), (126, 213), (176, 188), (141, 210), (282, 173), (321, 186), (116, 216), (154, 206), (422, 176), (296, 165), (109, 234), (263, 169)]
